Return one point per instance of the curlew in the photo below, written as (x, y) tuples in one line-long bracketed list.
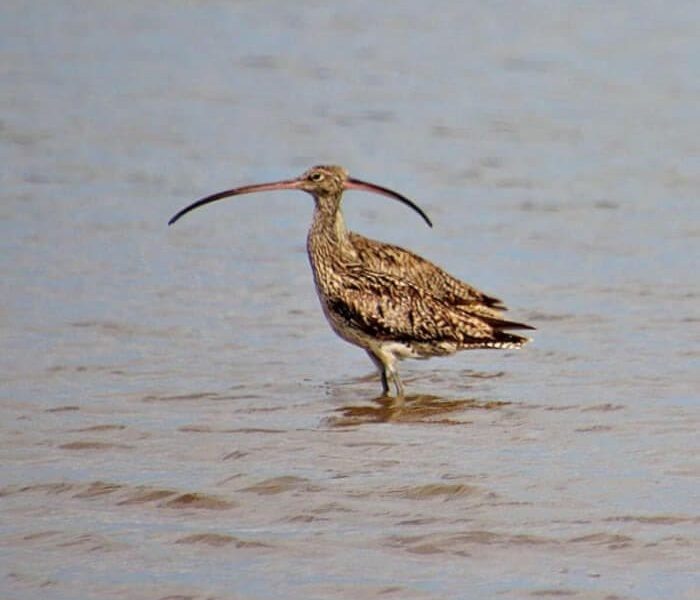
[(387, 300)]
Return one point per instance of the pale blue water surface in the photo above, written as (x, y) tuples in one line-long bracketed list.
[(177, 419)]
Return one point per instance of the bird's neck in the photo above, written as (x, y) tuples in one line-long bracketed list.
[(328, 241)]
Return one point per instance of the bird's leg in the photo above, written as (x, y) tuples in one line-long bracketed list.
[(386, 365), (391, 372), (382, 371), (385, 383), (397, 383)]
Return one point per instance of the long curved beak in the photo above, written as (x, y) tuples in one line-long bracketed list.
[(290, 184), (296, 184), (356, 184)]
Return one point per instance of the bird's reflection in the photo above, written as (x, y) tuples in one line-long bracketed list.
[(418, 408)]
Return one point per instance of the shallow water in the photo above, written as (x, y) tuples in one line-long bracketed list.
[(177, 419)]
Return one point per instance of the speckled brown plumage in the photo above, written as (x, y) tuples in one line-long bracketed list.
[(408, 266), (383, 298)]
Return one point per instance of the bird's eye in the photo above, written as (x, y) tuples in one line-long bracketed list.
[(316, 176)]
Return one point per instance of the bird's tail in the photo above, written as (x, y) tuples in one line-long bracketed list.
[(501, 338)]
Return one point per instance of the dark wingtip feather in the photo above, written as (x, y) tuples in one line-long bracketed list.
[(501, 324)]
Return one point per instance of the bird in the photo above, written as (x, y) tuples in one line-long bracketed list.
[(385, 299)]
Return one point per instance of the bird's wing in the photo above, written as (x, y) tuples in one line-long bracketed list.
[(389, 308), (403, 263)]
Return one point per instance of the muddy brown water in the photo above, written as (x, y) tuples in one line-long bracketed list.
[(177, 420)]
